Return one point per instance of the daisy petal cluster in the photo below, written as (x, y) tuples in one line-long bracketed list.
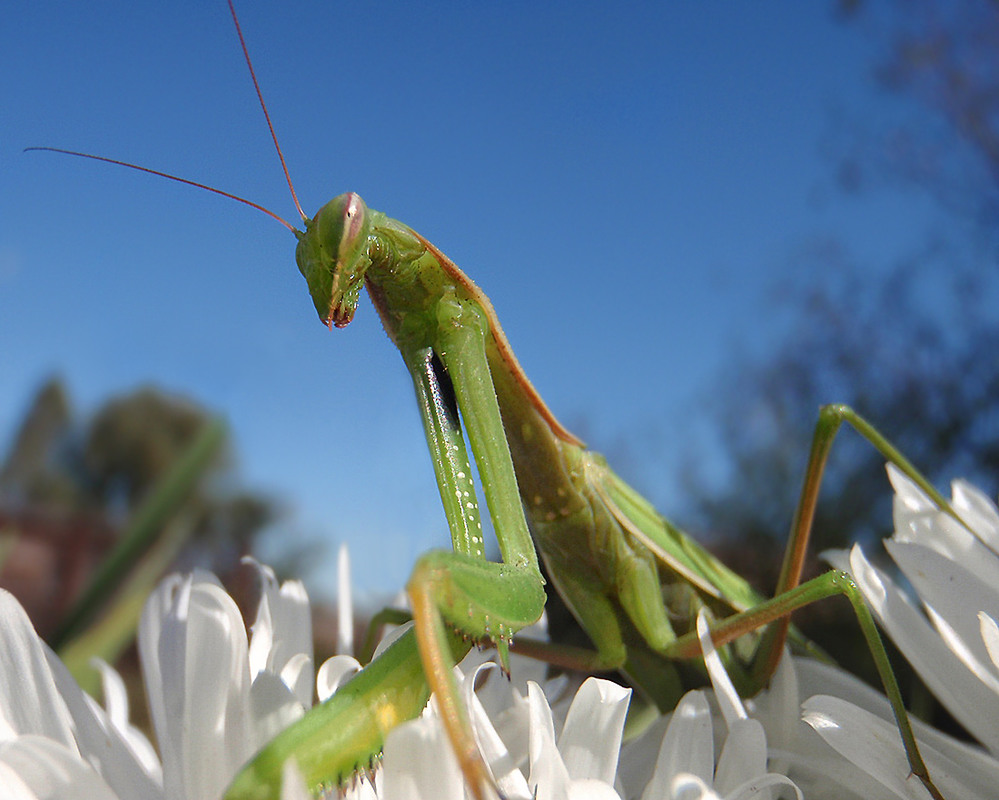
[(712, 748), (540, 745), (215, 697), (54, 740), (950, 637)]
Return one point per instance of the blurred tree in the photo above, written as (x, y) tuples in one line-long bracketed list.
[(131, 441), (943, 58), (67, 486), (26, 473), (926, 379)]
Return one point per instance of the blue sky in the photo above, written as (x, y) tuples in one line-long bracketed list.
[(627, 182)]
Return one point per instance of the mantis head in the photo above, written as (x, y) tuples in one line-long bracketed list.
[(332, 254)]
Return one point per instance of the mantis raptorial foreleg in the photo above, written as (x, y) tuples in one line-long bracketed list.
[(479, 598)]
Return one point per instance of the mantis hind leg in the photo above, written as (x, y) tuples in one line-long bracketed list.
[(830, 584), (791, 594), (831, 418)]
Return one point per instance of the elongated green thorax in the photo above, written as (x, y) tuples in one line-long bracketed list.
[(332, 255)]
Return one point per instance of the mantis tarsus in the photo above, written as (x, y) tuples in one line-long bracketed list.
[(608, 552)]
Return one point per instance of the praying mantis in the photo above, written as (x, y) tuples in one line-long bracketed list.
[(633, 580)]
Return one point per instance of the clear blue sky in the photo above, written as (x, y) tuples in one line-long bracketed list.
[(626, 181)]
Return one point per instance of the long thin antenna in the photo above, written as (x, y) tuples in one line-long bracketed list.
[(263, 105), (167, 175)]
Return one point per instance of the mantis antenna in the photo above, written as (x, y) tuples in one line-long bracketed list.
[(263, 105), (167, 175)]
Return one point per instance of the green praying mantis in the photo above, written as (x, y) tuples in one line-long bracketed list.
[(633, 580)]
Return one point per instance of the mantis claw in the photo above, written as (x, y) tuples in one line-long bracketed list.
[(503, 651)]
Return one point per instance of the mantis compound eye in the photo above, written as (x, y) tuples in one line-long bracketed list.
[(355, 217)]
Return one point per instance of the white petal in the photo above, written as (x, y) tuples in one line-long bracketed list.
[(30, 702), (116, 703), (782, 702), (638, 758), (154, 611), (953, 597), (261, 638), (687, 748), (344, 603), (764, 788), (509, 779), (743, 757), (817, 679), (52, 771), (591, 789), (940, 533), (273, 707), (200, 669), (911, 499), (591, 740), (418, 763), (113, 690), (99, 742), (389, 638), (38, 696), (862, 745), (874, 745), (294, 616), (919, 520), (691, 787), (282, 630), (509, 714), (14, 787), (216, 700), (335, 671), (978, 511), (837, 558), (990, 636), (725, 693), (549, 779), (294, 673)]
